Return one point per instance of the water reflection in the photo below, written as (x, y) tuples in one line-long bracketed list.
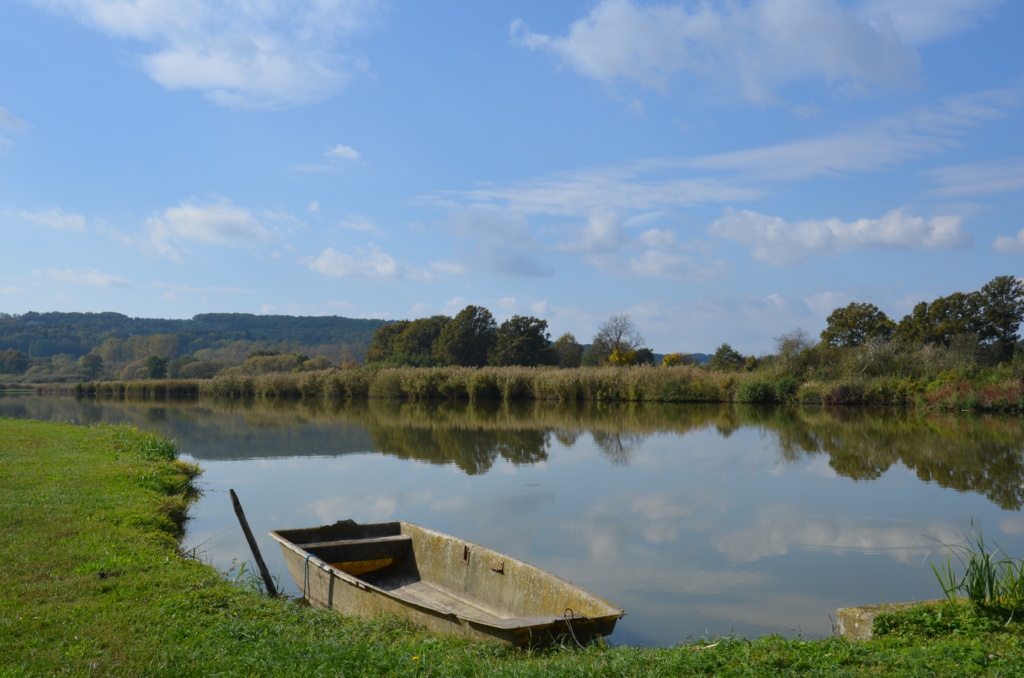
[(980, 454), (696, 519)]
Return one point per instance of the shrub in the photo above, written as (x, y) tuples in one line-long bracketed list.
[(810, 392), (313, 384), (786, 388), (844, 394), (387, 384), (355, 383), (756, 391)]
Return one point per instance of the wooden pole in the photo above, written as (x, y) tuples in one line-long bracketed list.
[(271, 589)]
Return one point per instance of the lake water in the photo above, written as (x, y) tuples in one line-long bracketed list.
[(698, 520)]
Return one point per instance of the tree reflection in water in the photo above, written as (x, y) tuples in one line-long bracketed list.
[(969, 453)]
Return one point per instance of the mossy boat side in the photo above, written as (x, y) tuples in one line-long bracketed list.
[(444, 583)]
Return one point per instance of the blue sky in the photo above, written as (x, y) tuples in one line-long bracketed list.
[(722, 171)]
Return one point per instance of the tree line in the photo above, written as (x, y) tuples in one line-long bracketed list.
[(978, 328), (984, 321), (473, 338)]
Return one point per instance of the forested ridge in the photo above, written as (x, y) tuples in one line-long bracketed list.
[(56, 346), (966, 344), (41, 335)]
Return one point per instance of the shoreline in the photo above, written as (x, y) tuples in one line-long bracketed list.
[(96, 586)]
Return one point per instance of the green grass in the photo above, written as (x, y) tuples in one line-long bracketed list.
[(93, 585), (991, 577)]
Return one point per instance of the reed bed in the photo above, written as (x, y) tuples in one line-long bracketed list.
[(149, 388), (678, 384)]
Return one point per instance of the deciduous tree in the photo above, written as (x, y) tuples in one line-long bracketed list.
[(1002, 310), (940, 321), (13, 362), (418, 338), (156, 367), (567, 351), (91, 365), (855, 324), (726, 359), (521, 340), (618, 332), (382, 346), (467, 339)]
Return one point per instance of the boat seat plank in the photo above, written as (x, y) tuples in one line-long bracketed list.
[(349, 550), (444, 600)]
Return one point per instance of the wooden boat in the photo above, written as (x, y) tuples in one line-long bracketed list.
[(443, 583)]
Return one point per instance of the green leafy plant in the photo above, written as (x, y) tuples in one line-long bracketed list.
[(991, 577)]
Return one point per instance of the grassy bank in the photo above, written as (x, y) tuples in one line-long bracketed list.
[(995, 389), (93, 585)]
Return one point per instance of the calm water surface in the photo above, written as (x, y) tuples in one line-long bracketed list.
[(697, 520)]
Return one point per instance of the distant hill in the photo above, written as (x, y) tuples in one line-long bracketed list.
[(76, 334)]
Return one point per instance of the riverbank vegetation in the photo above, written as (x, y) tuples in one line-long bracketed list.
[(930, 378), (961, 352), (95, 585)]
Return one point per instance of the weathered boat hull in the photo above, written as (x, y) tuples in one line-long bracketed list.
[(448, 585)]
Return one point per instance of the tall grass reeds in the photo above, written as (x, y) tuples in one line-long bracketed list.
[(950, 390), (150, 388), (991, 577)]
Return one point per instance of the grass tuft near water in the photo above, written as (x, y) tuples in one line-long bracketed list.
[(991, 577), (94, 585)]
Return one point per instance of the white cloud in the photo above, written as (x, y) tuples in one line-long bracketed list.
[(90, 277), (659, 239), (659, 264), (824, 303), (355, 222), (779, 242), (1010, 245), (778, 529), (621, 188), (874, 146), (343, 306), (342, 152), (603, 233), (921, 23), (450, 267), (454, 305), (220, 223), (369, 263), (979, 178), (11, 289), (57, 219), (175, 289), (10, 123), (241, 54), (502, 243), (511, 306), (750, 47), (648, 185), (493, 226), (314, 206)]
